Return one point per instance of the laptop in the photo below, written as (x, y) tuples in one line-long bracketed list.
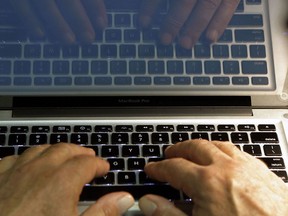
[(128, 97)]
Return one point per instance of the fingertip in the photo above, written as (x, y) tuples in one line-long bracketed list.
[(166, 38), (212, 36)]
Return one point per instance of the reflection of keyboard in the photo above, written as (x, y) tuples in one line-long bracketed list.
[(125, 58), (129, 147)]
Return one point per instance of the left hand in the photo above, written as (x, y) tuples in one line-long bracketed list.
[(47, 181), (190, 18)]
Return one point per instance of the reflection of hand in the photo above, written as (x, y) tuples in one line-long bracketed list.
[(47, 181), (191, 18), (220, 179), (64, 19)]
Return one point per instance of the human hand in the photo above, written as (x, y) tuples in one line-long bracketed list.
[(189, 19), (47, 181), (220, 179), (65, 20)]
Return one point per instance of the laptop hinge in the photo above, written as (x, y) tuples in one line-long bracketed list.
[(131, 106)]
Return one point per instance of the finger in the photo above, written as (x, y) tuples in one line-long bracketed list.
[(147, 12), (178, 13), (7, 162), (97, 13), (79, 171), (221, 19), (110, 205), (75, 14), (53, 20), (201, 152), (229, 148), (26, 13), (60, 153), (31, 153), (153, 205), (198, 22), (180, 173)]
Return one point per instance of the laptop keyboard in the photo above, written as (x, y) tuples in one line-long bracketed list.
[(129, 147), (125, 58)]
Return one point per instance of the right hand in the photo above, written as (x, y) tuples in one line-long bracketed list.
[(65, 20), (220, 179)]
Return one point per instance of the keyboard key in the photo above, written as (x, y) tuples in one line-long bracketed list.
[(249, 35), (239, 138), (160, 138), (260, 81), (108, 179), (123, 80), (281, 174), (58, 138), (103, 128), (140, 138), (38, 139), (89, 51), (165, 51), (142, 80), (41, 68), (13, 35), (82, 128), (32, 51), (226, 37), (194, 67), (99, 138), (146, 51), (3, 129), (183, 53), (113, 35), (239, 51), (2, 139), (274, 163), (240, 80), (137, 67), (22, 67), (5, 67), (200, 136), (202, 51), (116, 163), (165, 128), (182, 80), (118, 67), (124, 128), (79, 138), (51, 51), (266, 127), (156, 67), (6, 151), (179, 137), (80, 67), (221, 80), (61, 129), (19, 129), (257, 51), (131, 35), (122, 20), (248, 127), (151, 151), (17, 139), (108, 51), (201, 81), (136, 163), (93, 193), (40, 129), (102, 81), (206, 128), (185, 128), (127, 51), (212, 67), (110, 151), (264, 137), (144, 128), (130, 151), (249, 20), (220, 136), (61, 68), (272, 150), (99, 67), (126, 178), (175, 67), (120, 138), (253, 150), (226, 127), (63, 81), (83, 81), (231, 67), (221, 51), (162, 80), (254, 67)]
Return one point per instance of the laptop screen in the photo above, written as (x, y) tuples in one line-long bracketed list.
[(122, 49)]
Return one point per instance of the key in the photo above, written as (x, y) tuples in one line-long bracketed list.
[(252, 150), (93, 193), (130, 151), (79, 138), (140, 138), (264, 137), (17, 139), (136, 163), (6, 151), (126, 178), (120, 138), (144, 128), (200, 136), (58, 138), (268, 127), (2, 139), (249, 35), (274, 163), (163, 128), (239, 137), (179, 137), (19, 129), (108, 179), (110, 151), (61, 129), (70, 51), (206, 128), (194, 67), (272, 150), (116, 163), (160, 138), (37, 139), (99, 138), (243, 20), (219, 136), (281, 174), (151, 150), (254, 67)]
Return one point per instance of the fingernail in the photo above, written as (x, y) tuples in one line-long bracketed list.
[(166, 38), (147, 206), (212, 36), (124, 203), (186, 42)]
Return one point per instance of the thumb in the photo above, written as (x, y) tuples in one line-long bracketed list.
[(152, 205), (112, 204)]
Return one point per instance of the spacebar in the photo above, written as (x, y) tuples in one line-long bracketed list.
[(91, 193)]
